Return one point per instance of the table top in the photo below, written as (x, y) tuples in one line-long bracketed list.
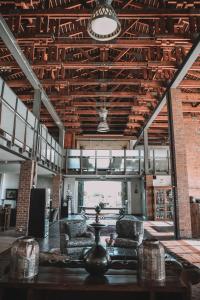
[(78, 279)]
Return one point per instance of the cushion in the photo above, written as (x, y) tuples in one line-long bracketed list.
[(129, 228), (80, 242), (125, 243), (75, 228)]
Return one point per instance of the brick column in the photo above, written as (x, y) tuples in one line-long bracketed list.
[(27, 173), (149, 197), (56, 191), (179, 166), (70, 140)]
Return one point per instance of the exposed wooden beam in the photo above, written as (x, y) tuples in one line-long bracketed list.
[(120, 43), (135, 65), (106, 81), (185, 67), (20, 58), (81, 94), (129, 14)]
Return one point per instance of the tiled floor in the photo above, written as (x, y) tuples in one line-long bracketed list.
[(188, 250), (185, 250)]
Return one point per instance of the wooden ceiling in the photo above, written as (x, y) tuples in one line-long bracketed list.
[(128, 75)]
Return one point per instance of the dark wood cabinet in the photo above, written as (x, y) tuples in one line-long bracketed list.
[(39, 213)]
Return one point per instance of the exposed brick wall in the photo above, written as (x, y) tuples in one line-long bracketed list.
[(149, 196), (69, 140), (56, 191), (192, 142), (23, 201), (182, 203)]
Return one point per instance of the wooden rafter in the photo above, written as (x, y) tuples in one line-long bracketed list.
[(129, 74)]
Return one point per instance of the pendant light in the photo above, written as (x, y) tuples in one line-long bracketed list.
[(104, 24), (103, 125)]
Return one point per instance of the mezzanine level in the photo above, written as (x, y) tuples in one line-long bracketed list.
[(117, 162), (22, 134)]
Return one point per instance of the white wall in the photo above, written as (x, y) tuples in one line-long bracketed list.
[(9, 181), (103, 144), (135, 199), (44, 182)]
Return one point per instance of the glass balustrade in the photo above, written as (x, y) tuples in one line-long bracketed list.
[(116, 161), (19, 130)]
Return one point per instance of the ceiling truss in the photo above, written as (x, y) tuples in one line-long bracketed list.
[(128, 75)]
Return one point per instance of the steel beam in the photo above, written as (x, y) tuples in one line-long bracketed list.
[(146, 152), (10, 41), (180, 74)]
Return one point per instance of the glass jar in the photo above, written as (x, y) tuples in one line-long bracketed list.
[(24, 258), (151, 260)]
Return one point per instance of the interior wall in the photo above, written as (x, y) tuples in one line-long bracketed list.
[(135, 199), (44, 182), (192, 142), (103, 144), (9, 181)]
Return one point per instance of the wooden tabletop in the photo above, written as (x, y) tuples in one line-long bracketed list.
[(78, 278)]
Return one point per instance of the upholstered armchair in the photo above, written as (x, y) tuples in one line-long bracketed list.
[(74, 236), (129, 233)]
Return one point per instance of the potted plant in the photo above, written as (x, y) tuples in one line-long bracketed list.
[(101, 204)]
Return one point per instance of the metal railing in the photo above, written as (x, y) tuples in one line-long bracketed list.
[(20, 130), (116, 161)]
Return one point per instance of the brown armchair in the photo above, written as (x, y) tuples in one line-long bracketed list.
[(129, 233), (74, 236)]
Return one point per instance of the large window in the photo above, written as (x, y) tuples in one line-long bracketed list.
[(108, 192)]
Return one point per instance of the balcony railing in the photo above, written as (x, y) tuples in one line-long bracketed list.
[(116, 161), (19, 130)]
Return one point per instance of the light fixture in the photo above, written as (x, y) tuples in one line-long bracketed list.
[(104, 24), (103, 125)]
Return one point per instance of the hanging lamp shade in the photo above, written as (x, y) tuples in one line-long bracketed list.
[(104, 24), (103, 125)]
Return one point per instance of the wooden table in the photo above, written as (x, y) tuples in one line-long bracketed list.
[(55, 283)]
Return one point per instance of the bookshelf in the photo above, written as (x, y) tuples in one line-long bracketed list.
[(163, 203)]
